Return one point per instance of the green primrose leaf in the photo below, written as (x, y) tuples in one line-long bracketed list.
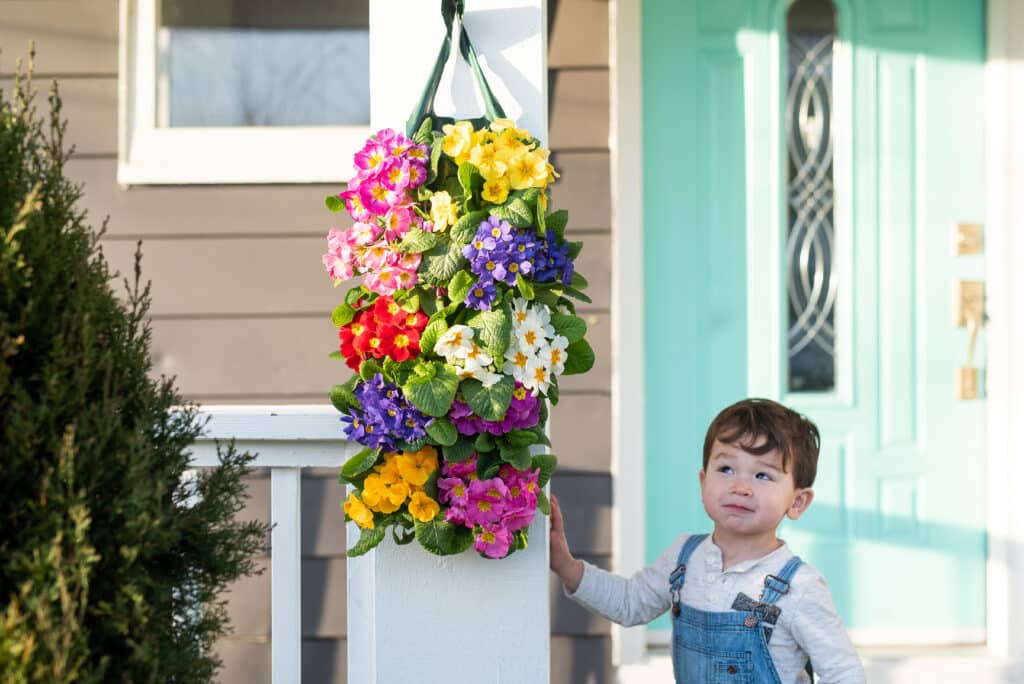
[(542, 502), (547, 464), (581, 358), (342, 315), (435, 157), (576, 294), (556, 222), (515, 211), (459, 286), (334, 203), (578, 281), (431, 334), (368, 539), (442, 431), (336, 355), (343, 397), (521, 438), (487, 464), (490, 403), (359, 464), (368, 368), (571, 327), (432, 395), (465, 228), (423, 135), (494, 331), (416, 241), (517, 457), (443, 538), (574, 249), (524, 286), (441, 262), (458, 452), (552, 393), (484, 442)]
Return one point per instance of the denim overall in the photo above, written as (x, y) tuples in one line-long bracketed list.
[(729, 647)]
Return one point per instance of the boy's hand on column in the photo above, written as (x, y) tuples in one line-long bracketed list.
[(568, 569)]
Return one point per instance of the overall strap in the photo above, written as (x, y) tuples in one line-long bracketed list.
[(777, 586), (678, 576)]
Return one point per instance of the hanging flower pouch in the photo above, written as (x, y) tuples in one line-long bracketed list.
[(462, 324)]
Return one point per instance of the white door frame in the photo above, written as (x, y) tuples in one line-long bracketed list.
[(1004, 240)]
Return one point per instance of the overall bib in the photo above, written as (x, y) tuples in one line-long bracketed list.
[(729, 647)]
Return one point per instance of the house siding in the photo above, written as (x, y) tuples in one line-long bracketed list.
[(241, 309)]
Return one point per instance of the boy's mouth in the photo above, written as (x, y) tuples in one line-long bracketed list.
[(737, 507)]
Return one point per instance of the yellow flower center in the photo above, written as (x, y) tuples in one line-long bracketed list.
[(530, 337)]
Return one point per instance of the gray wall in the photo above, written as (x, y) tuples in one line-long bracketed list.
[(241, 308)]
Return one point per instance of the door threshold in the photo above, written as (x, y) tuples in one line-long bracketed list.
[(889, 664)]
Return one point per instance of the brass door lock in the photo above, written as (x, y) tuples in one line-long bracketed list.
[(969, 310)]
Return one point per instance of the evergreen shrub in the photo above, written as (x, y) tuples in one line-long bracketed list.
[(112, 558)]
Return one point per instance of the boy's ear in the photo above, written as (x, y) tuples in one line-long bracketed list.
[(801, 501), (701, 475)]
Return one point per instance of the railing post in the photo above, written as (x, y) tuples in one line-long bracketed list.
[(286, 575)]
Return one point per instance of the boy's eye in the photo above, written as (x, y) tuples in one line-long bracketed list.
[(763, 476), (725, 469)]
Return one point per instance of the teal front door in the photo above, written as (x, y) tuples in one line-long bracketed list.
[(805, 164)]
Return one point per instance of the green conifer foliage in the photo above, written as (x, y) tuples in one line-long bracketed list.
[(111, 558)]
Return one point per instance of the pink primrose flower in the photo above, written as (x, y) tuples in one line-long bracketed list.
[(382, 281), (386, 136), (376, 256), (461, 468), (363, 234), (419, 154), (395, 174), (457, 515), (370, 158), (453, 491), (405, 279), (397, 221), (335, 239), (354, 203), (493, 541), (378, 197), (338, 264), (417, 175)]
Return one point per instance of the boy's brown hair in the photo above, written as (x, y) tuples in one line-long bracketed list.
[(794, 435)]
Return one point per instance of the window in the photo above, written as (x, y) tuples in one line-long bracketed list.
[(242, 91), (811, 282)]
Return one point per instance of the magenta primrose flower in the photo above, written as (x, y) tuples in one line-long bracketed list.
[(493, 542)]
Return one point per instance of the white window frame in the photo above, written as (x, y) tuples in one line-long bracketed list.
[(246, 154)]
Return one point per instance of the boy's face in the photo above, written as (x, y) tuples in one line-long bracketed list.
[(748, 495)]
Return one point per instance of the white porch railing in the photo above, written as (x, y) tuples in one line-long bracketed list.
[(286, 439)]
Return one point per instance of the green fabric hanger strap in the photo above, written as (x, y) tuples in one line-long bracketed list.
[(451, 13)]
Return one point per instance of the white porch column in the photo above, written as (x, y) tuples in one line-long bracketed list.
[(1004, 256), (413, 616)]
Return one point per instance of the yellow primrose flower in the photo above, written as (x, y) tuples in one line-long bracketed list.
[(500, 124), (457, 140), (423, 508), (388, 470), (490, 160), (384, 497), (414, 470), (496, 190), (358, 512), (527, 170), (442, 212)]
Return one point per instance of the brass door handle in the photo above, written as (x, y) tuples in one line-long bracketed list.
[(969, 310)]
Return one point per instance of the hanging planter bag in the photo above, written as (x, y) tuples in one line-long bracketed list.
[(460, 328)]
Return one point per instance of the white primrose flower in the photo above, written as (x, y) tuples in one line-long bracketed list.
[(475, 357), (538, 377), (516, 362), (455, 343), (555, 354), (531, 335), (519, 311), (486, 377), (543, 317)]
